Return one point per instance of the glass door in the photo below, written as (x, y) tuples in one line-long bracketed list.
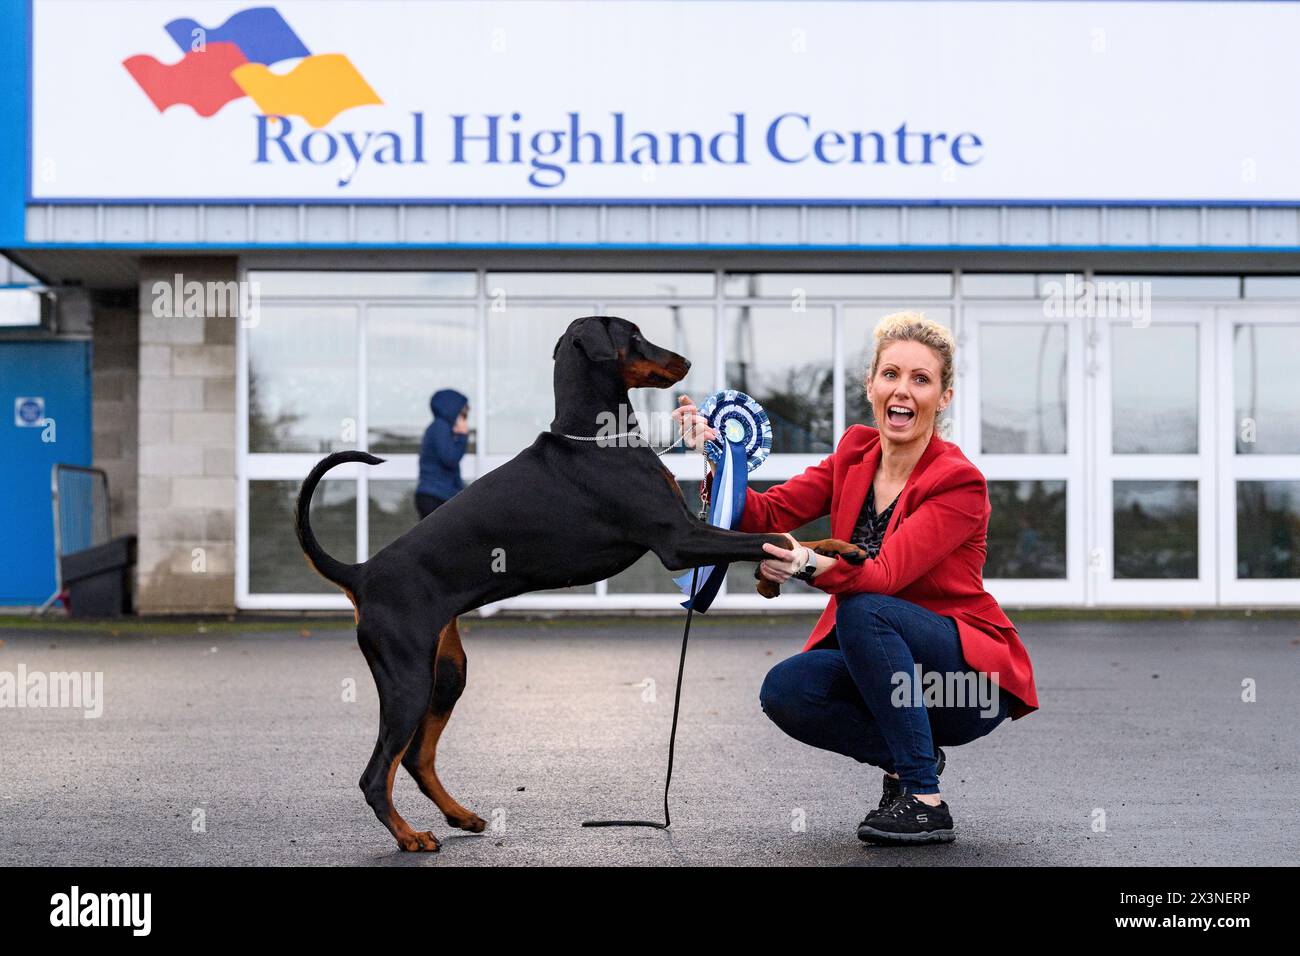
[(1153, 489), (1258, 442), (1021, 392)]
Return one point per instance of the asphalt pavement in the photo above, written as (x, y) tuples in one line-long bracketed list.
[(242, 744)]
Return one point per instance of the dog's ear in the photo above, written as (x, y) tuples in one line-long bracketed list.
[(595, 340)]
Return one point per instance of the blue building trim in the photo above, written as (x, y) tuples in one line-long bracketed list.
[(252, 248), (653, 201), (15, 103)]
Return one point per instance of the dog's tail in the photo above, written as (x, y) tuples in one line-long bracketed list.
[(344, 575)]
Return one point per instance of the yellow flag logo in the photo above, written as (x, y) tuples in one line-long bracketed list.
[(317, 89)]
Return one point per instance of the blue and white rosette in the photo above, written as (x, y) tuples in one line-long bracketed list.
[(737, 419), (744, 440)]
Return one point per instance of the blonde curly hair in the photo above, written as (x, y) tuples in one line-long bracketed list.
[(915, 327)]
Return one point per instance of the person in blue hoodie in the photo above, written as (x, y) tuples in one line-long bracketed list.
[(442, 449)]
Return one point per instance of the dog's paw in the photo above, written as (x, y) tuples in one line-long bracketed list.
[(834, 548), (419, 842), (473, 823)]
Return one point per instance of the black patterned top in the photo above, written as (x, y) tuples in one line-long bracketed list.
[(869, 532)]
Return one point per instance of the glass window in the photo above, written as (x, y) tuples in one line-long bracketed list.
[(1272, 287), (1154, 390), (275, 562), (520, 386), (1180, 287), (648, 575), (1059, 284), (601, 284), (996, 285), (1267, 389), (1023, 389), (1155, 529), (391, 511), (782, 358), (861, 285), (1026, 537), (740, 577), (1268, 529), (370, 285), (302, 379), (859, 327), (411, 352)]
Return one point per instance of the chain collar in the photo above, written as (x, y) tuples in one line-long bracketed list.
[(622, 435)]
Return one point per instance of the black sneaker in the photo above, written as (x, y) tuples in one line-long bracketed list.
[(893, 788), (908, 821)]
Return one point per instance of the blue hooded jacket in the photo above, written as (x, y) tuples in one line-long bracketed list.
[(441, 450)]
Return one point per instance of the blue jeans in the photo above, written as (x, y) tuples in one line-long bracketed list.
[(862, 698)]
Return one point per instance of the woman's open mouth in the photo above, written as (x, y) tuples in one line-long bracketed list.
[(900, 416)]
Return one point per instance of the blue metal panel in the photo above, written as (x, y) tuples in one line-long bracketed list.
[(14, 95), (58, 373)]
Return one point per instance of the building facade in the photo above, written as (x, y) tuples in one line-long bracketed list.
[(248, 296)]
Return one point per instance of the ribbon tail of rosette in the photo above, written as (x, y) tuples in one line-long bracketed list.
[(726, 506)]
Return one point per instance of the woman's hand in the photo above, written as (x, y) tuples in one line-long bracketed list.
[(693, 426), (784, 562)]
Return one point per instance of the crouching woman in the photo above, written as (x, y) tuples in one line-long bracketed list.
[(911, 654)]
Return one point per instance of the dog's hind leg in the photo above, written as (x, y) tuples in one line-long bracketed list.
[(404, 694), (448, 683)]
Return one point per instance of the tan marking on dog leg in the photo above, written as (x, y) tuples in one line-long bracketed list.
[(407, 838), (450, 654)]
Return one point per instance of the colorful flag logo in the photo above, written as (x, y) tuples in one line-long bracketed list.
[(232, 61)]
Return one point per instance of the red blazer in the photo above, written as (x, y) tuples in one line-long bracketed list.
[(932, 554)]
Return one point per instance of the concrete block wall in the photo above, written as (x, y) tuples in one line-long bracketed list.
[(187, 488)]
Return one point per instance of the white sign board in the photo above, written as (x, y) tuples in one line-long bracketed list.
[(837, 102)]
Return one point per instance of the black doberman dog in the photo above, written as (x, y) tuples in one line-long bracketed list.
[(564, 511)]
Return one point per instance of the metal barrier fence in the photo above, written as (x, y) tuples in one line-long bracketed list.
[(80, 499)]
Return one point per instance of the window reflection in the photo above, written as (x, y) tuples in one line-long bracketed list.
[(275, 562), (1267, 389), (520, 386), (1154, 390), (411, 352), (390, 510), (782, 358), (1023, 389), (783, 285), (302, 379), (1268, 529), (626, 284), (1026, 537), (371, 285), (1155, 529)]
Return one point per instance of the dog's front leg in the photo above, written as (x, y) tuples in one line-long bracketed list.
[(694, 543)]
